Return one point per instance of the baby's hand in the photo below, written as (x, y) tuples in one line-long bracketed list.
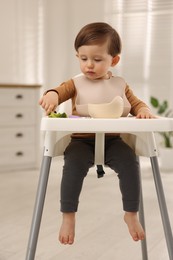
[(145, 113), (49, 102)]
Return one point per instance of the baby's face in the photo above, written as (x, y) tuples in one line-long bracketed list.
[(95, 61)]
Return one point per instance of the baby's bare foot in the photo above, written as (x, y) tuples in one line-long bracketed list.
[(67, 230), (134, 226)]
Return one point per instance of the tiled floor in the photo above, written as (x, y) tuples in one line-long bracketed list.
[(100, 233)]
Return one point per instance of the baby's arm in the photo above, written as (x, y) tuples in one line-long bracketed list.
[(49, 101), (139, 108)]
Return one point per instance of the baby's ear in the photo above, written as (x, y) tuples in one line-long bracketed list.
[(115, 60), (77, 55)]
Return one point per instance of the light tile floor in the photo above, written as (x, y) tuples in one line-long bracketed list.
[(100, 232)]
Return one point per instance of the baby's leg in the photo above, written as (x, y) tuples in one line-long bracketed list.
[(134, 226), (67, 230), (78, 158), (122, 159)]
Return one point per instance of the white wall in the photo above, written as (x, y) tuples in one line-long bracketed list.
[(64, 18)]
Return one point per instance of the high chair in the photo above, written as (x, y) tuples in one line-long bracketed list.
[(140, 138)]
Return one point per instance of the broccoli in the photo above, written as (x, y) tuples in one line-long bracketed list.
[(57, 115)]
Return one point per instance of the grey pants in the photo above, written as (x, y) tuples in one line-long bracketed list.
[(79, 157)]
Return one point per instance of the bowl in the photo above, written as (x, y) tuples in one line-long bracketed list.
[(114, 109)]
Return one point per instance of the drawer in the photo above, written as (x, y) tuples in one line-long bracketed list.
[(17, 155), (17, 136), (18, 97), (17, 116)]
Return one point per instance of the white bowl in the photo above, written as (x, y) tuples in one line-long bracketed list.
[(114, 109)]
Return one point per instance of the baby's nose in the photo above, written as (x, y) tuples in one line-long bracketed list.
[(90, 64)]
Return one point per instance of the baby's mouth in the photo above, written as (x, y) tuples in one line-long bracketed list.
[(90, 72)]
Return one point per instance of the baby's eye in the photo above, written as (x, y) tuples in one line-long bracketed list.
[(83, 59), (98, 60)]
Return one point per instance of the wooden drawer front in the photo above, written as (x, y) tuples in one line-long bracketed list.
[(17, 156), (17, 116), (17, 136), (18, 97)]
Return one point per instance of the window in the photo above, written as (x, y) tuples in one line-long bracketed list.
[(21, 50), (146, 29)]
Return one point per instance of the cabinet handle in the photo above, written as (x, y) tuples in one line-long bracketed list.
[(19, 135), (19, 153), (19, 96), (19, 115)]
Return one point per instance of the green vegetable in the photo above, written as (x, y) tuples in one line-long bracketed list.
[(59, 115)]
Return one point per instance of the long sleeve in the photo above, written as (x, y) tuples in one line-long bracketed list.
[(136, 103), (66, 91)]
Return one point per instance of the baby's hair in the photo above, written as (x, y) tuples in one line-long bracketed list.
[(99, 33)]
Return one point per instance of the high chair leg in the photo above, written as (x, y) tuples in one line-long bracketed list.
[(162, 205), (38, 208), (142, 221)]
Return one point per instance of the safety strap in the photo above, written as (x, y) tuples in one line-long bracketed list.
[(100, 171)]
